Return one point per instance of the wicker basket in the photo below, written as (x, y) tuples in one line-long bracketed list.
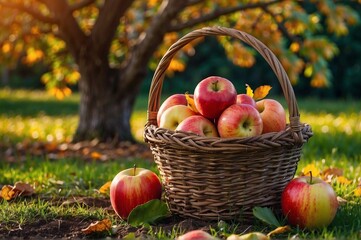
[(218, 178)]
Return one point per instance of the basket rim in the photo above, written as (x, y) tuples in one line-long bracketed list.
[(295, 125), (192, 141)]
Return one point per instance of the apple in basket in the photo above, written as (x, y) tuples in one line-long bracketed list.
[(309, 202), (273, 115), (199, 125), (175, 99), (214, 94), (174, 115), (239, 120), (133, 187), (245, 99)]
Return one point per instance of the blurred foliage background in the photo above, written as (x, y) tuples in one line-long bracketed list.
[(209, 58)]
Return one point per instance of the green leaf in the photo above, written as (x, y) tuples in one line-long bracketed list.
[(148, 213), (266, 215)]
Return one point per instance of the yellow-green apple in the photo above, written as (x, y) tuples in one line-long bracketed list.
[(249, 236), (133, 187), (273, 115), (309, 202), (175, 99), (174, 115), (198, 124), (196, 235), (214, 94), (239, 120), (245, 99)]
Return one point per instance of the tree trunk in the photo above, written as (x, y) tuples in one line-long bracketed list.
[(104, 114)]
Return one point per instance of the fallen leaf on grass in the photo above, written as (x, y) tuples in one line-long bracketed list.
[(147, 213), (279, 230), (357, 191), (9, 192), (105, 188), (98, 226), (341, 201), (266, 215), (310, 168), (343, 180)]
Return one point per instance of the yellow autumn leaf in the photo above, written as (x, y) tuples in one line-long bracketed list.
[(190, 103), (98, 226), (105, 188), (311, 168), (343, 180), (357, 191), (261, 92), (279, 230), (96, 155), (249, 91), (7, 192)]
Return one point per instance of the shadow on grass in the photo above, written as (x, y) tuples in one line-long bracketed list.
[(32, 108)]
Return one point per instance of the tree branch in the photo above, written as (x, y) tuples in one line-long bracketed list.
[(281, 26), (148, 43), (177, 26), (80, 5), (107, 22), (69, 28), (29, 10)]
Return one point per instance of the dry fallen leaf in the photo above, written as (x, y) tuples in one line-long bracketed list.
[(310, 168), (98, 226), (105, 188), (279, 230), (341, 201), (9, 192), (343, 180), (357, 191)]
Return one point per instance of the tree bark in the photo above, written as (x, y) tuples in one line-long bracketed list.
[(104, 114)]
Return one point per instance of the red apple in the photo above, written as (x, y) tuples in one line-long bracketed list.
[(133, 187), (175, 99), (273, 115), (174, 115), (199, 125), (239, 120), (245, 99), (214, 94), (196, 235), (309, 202)]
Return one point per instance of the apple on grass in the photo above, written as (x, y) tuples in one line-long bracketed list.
[(199, 125), (245, 99), (273, 115), (196, 235), (309, 202), (174, 115), (133, 187), (214, 94), (175, 99), (239, 120)]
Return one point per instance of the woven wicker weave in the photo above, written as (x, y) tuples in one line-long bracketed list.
[(218, 178)]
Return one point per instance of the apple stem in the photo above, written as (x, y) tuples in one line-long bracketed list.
[(134, 167), (215, 86), (310, 177)]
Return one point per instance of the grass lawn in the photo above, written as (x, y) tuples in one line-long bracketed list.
[(67, 188)]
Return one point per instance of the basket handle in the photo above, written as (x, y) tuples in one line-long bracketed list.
[(267, 54)]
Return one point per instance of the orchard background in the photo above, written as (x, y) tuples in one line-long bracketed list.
[(70, 69)]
